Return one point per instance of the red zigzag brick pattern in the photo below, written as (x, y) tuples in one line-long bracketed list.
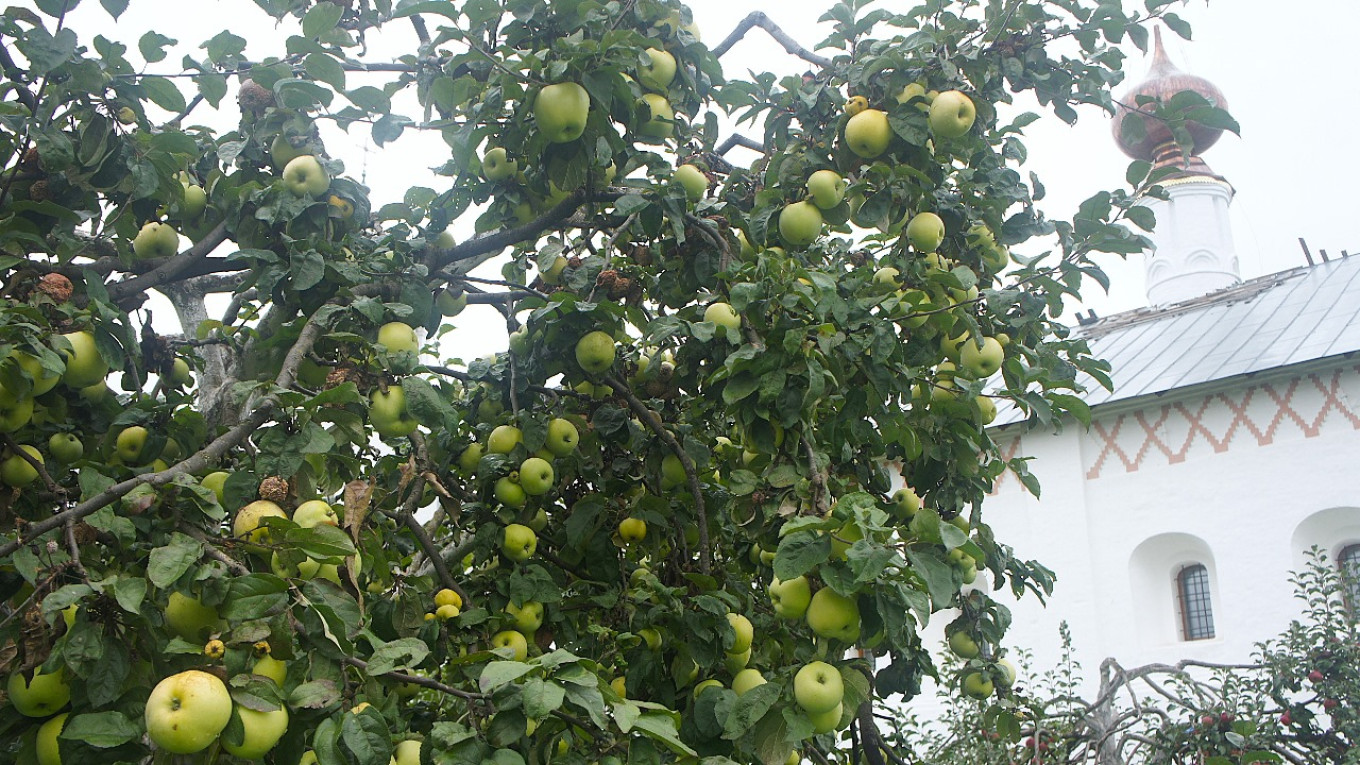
[(1169, 433)]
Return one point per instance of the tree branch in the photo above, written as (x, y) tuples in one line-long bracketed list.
[(759, 19), (652, 421)]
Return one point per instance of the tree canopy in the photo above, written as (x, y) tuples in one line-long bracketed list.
[(732, 461)]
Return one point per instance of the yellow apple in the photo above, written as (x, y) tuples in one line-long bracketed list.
[(561, 111), (186, 712), (868, 133)]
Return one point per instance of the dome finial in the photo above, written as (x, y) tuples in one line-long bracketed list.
[(1157, 144)]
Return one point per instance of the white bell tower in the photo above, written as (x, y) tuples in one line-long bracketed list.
[(1193, 252)]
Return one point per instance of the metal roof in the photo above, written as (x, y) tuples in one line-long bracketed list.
[(1304, 314)]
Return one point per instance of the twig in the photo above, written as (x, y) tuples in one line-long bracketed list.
[(173, 268), (499, 240), (652, 421)]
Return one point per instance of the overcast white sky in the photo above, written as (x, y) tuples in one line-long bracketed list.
[(1286, 72)]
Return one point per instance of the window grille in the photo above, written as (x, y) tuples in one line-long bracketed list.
[(1197, 613), (1348, 560)]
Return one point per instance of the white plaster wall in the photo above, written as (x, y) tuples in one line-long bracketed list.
[(1250, 505), (1193, 253)]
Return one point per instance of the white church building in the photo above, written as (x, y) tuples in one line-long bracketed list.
[(1229, 447)]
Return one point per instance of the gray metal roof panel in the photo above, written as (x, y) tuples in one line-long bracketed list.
[(1291, 317)]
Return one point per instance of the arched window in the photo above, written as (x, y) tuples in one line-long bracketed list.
[(1192, 598), (1348, 560)]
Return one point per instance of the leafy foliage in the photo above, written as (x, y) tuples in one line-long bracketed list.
[(176, 538)]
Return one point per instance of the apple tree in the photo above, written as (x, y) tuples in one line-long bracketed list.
[(730, 464)]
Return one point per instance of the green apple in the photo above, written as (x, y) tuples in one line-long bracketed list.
[(519, 542), (553, 273), (834, 616), (16, 471), (315, 512), (659, 70), (15, 411), (1007, 673), (536, 476), (651, 637), (986, 409), (672, 472), (705, 685), (509, 492), (406, 753), (905, 502), (791, 599), (84, 365), (868, 133), (398, 338), (660, 122), (217, 482), (926, 231), (693, 180), (723, 315), (528, 617), (975, 684), (952, 114), (272, 668), (43, 381), (800, 224), (194, 203), (915, 90), (305, 177), (561, 110), (249, 521), (180, 373), (744, 633), (186, 712), (826, 188), (595, 352), (41, 695), (48, 749), (736, 662), (387, 412), (497, 165), (282, 151), (65, 447), (470, 458), (562, 437), (818, 687), (827, 721), (514, 641), (451, 303), (964, 646), (156, 240), (746, 680), (261, 732), (632, 530), (128, 445), (189, 618), (982, 362), (504, 439)]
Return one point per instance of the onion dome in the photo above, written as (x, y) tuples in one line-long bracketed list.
[(1158, 145)]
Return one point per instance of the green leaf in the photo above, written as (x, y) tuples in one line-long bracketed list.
[(406, 653), (168, 563), (541, 697), (152, 46), (498, 673), (661, 727), (102, 730), (325, 68), (315, 694), (163, 93), (799, 553), (321, 19), (114, 7), (366, 736), (255, 596), (749, 709)]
